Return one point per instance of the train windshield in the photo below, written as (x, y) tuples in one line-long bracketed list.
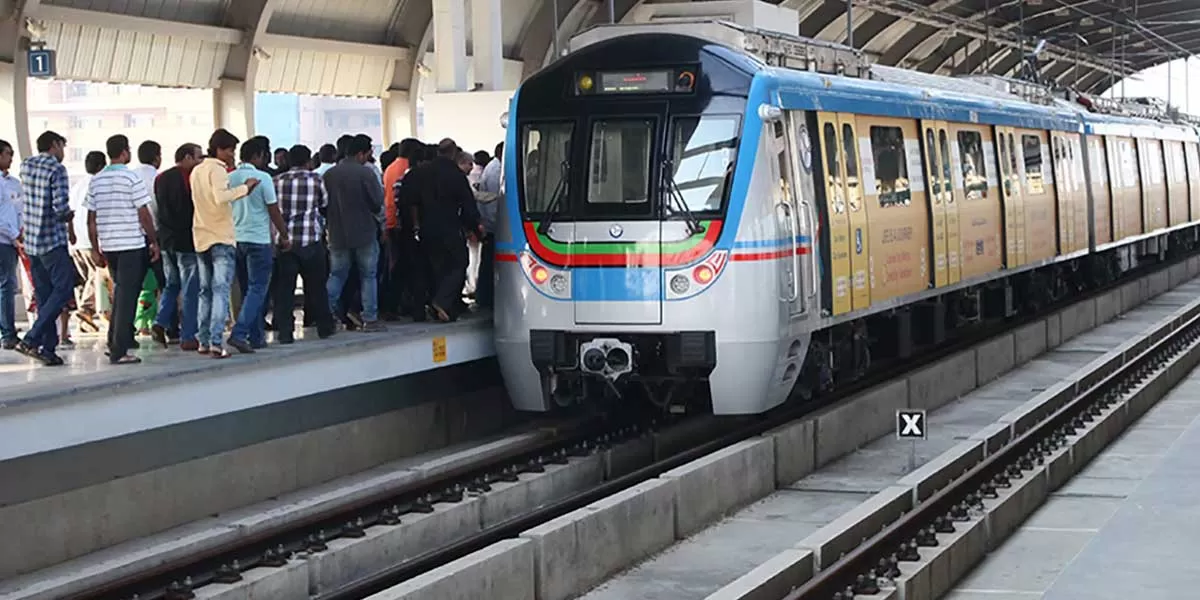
[(618, 170), (703, 153), (545, 152)]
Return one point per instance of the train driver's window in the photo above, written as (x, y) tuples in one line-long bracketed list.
[(703, 156), (543, 155), (974, 167), (891, 166), (1031, 152), (619, 172)]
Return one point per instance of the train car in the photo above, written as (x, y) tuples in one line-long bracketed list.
[(698, 216)]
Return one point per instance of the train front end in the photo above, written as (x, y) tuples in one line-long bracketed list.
[(615, 235)]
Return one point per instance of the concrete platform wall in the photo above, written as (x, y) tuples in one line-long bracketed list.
[(78, 500)]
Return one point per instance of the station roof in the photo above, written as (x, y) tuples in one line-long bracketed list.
[(366, 47)]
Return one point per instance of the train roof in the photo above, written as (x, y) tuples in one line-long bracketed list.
[(818, 75)]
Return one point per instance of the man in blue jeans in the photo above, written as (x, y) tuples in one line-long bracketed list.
[(253, 217), (46, 217), (174, 212), (10, 234), (354, 224)]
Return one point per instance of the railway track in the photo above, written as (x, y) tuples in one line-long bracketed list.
[(920, 555), (276, 546)]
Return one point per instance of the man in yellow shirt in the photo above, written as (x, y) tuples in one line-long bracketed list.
[(212, 231)]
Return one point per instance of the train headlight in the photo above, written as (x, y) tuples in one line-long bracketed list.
[(689, 281), (680, 284), (548, 280)]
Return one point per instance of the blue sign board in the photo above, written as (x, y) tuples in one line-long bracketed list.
[(41, 63)]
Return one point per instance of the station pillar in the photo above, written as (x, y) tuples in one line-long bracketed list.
[(450, 45), (233, 108), (487, 44), (397, 117), (14, 108)]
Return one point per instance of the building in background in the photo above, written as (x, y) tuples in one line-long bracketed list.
[(88, 113)]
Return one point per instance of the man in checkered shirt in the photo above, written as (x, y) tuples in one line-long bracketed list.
[(302, 200), (47, 219)]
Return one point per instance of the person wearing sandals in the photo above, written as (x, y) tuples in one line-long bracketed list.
[(81, 250), (214, 238), (121, 229)]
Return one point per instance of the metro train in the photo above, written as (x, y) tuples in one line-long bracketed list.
[(710, 217)]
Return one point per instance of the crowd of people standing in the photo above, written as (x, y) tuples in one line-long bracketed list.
[(406, 235)]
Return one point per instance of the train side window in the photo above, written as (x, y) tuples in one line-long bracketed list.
[(832, 169), (891, 166), (546, 147), (1099, 162), (851, 158), (1154, 161), (1129, 176), (944, 143), (974, 167), (1012, 160), (931, 154), (619, 172), (1031, 152)]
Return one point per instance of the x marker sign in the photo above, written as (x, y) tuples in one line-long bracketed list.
[(910, 425)]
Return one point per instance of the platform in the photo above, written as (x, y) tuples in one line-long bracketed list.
[(89, 399), (94, 455), (1124, 528)]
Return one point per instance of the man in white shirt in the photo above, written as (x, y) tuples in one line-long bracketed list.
[(81, 249), (10, 236), (121, 229)]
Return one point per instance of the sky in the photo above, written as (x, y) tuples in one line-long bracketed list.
[(1155, 82)]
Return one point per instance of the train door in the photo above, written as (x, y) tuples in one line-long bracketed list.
[(620, 206), (1010, 191), (1192, 163), (793, 151), (950, 197), (1063, 180), (847, 213), (937, 207)]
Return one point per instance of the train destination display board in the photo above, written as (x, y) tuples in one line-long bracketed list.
[(635, 82), (653, 81)]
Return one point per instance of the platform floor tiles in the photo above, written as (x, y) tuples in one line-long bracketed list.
[(88, 370), (705, 562), (1124, 528)]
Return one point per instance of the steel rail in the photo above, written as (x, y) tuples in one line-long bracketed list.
[(125, 586), (879, 556)]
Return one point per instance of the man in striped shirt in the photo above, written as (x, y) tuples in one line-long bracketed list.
[(46, 218), (121, 229), (302, 199)]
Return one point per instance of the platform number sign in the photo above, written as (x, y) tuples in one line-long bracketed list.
[(439, 349), (42, 63), (910, 424)]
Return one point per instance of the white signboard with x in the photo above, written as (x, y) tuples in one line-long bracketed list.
[(910, 424)]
